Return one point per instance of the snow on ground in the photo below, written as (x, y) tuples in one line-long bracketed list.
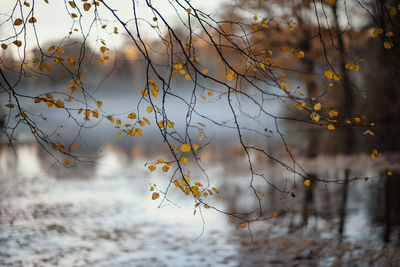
[(109, 220)]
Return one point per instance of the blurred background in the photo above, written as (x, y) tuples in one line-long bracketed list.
[(98, 210)]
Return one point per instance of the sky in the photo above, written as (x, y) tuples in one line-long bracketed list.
[(55, 22)]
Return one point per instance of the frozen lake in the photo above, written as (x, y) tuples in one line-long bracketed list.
[(109, 219)]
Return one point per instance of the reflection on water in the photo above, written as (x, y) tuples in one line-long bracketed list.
[(102, 215)]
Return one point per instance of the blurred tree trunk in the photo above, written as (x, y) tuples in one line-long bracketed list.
[(391, 215), (347, 110), (384, 84), (308, 64), (343, 204), (308, 201), (388, 210)]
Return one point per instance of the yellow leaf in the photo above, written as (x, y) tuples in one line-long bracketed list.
[(87, 114), (132, 116), (18, 22), (389, 34), (336, 77), (377, 31), (329, 74), (73, 88), (317, 106), (138, 131), (4, 46), (274, 214), (71, 61), (185, 181), (17, 43), (188, 10), (110, 118), (146, 120), (86, 6), (187, 77), (152, 168), (205, 71), (32, 20), (95, 113), (388, 45), (9, 105), (99, 103), (184, 160), (206, 206), (178, 67), (242, 225), (185, 148), (300, 54), (165, 168), (210, 93), (283, 85), (230, 75), (155, 195), (145, 92), (195, 147), (68, 161), (315, 117), (59, 104), (149, 109), (155, 92), (161, 124), (307, 183), (332, 2), (331, 127), (49, 103), (389, 173), (374, 154), (72, 4), (333, 113)]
